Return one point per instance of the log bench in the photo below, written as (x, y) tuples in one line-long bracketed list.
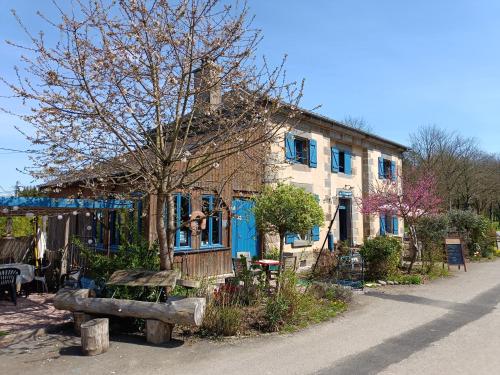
[(160, 316)]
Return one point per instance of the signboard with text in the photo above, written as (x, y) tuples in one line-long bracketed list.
[(455, 252)]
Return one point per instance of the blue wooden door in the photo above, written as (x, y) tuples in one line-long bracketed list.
[(244, 230)]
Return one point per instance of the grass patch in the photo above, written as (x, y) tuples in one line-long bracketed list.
[(408, 279), (312, 311)]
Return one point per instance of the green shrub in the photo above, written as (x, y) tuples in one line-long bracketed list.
[(408, 279), (382, 256), (138, 255), (273, 253), (336, 292), (277, 312), (477, 231), (220, 320)]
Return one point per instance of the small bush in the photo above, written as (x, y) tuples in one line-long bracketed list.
[(409, 279), (277, 313), (273, 253), (336, 292), (221, 320), (382, 255)]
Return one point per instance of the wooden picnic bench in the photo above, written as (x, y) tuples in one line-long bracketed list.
[(160, 316)]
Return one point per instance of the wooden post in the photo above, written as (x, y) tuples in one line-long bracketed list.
[(95, 336), (158, 332), (78, 319), (64, 259)]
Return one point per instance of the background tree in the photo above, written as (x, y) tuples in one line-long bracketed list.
[(414, 198), (149, 97), (358, 123), (466, 177), (286, 209)]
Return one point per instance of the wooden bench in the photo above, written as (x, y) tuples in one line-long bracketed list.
[(160, 316)]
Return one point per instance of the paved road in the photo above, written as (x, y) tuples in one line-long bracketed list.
[(448, 327)]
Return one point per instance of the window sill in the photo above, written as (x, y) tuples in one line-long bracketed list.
[(201, 250), (209, 247)]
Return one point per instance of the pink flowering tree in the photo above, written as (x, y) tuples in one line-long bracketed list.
[(411, 197)]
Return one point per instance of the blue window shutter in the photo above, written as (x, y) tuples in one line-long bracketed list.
[(393, 170), (347, 162), (313, 154), (380, 167), (290, 237), (289, 147), (382, 224), (315, 233), (395, 225), (331, 241), (335, 160)]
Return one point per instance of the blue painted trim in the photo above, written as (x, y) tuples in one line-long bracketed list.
[(210, 222), (178, 198), (90, 204)]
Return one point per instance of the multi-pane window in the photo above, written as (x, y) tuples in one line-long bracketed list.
[(389, 224), (211, 235), (301, 150), (386, 169), (341, 161), (182, 210)]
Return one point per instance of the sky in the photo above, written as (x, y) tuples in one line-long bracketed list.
[(396, 64)]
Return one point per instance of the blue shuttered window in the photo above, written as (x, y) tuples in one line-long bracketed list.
[(335, 159), (395, 223), (289, 147), (315, 229), (381, 167), (313, 154), (341, 161), (382, 225), (347, 163), (393, 170), (290, 237), (315, 233)]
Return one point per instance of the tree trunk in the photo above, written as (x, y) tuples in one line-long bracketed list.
[(95, 336), (158, 332), (161, 230), (413, 247), (187, 311), (171, 228)]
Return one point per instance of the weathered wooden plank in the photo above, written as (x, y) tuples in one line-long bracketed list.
[(144, 278)]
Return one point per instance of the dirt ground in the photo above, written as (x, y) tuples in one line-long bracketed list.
[(32, 313)]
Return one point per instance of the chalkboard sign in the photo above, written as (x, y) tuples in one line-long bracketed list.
[(455, 252)]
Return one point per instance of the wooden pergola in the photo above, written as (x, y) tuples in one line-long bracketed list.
[(38, 206), (63, 208)]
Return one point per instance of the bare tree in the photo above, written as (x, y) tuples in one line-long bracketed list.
[(358, 123), (466, 177), (149, 96)]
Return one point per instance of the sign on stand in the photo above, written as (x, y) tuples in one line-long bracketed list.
[(455, 252)]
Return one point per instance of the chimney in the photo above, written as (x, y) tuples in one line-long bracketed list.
[(208, 95)]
